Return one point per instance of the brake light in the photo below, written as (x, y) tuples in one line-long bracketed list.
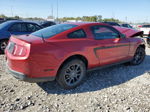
[(19, 50)]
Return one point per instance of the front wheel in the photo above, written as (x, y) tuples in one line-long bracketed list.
[(3, 45), (138, 56), (71, 74)]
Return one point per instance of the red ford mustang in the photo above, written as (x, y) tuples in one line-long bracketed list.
[(65, 52)]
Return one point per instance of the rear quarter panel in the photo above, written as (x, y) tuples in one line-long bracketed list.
[(52, 54)]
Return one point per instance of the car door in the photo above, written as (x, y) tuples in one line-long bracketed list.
[(111, 47), (18, 29)]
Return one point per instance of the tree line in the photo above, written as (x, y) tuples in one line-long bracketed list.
[(96, 18), (18, 17), (90, 19)]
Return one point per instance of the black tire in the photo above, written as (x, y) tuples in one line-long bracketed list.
[(139, 56), (148, 42), (3, 45), (71, 74)]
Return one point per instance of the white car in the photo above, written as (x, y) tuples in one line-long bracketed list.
[(145, 29)]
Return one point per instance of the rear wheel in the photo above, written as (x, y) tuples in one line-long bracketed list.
[(138, 56), (71, 74), (3, 45)]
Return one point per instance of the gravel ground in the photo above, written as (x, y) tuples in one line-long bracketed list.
[(116, 89)]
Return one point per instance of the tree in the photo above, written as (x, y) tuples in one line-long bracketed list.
[(2, 16), (99, 18), (16, 17), (50, 17), (111, 20)]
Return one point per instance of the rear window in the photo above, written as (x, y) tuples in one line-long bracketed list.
[(3, 25), (53, 30), (77, 34)]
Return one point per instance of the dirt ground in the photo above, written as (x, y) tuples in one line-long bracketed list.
[(119, 88)]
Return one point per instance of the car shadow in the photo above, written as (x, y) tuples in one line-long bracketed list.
[(1, 53), (104, 78)]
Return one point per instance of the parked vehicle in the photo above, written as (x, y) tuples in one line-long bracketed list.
[(112, 23), (145, 29), (65, 52), (148, 41), (2, 20), (127, 25), (47, 24), (15, 27)]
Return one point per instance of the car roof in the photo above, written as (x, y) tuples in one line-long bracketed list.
[(5, 25), (18, 21)]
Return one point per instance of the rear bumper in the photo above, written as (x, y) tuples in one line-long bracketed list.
[(23, 77)]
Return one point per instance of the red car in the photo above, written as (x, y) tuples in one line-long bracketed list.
[(65, 52)]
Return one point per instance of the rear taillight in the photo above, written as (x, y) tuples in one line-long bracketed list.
[(19, 50), (10, 47)]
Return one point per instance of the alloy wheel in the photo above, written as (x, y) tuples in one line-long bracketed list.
[(73, 74), (139, 56)]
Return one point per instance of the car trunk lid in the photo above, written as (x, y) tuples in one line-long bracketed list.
[(29, 38)]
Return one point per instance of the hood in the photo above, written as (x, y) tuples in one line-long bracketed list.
[(29, 38), (129, 32)]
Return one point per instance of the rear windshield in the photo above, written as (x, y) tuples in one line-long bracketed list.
[(3, 25), (53, 30)]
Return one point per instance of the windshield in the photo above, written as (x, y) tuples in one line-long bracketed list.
[(53, 30)]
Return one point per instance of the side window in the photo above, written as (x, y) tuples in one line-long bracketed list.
[(32, 27), (77, 34), (18, 27), (37, 27), (15, 28), (23, 27), (104, 32)]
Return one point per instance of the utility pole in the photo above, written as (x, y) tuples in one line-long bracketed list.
[(57, 10), (12, 11), (52, 11), (126, 18), (146, 19), (113, 15), (11, 7)]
